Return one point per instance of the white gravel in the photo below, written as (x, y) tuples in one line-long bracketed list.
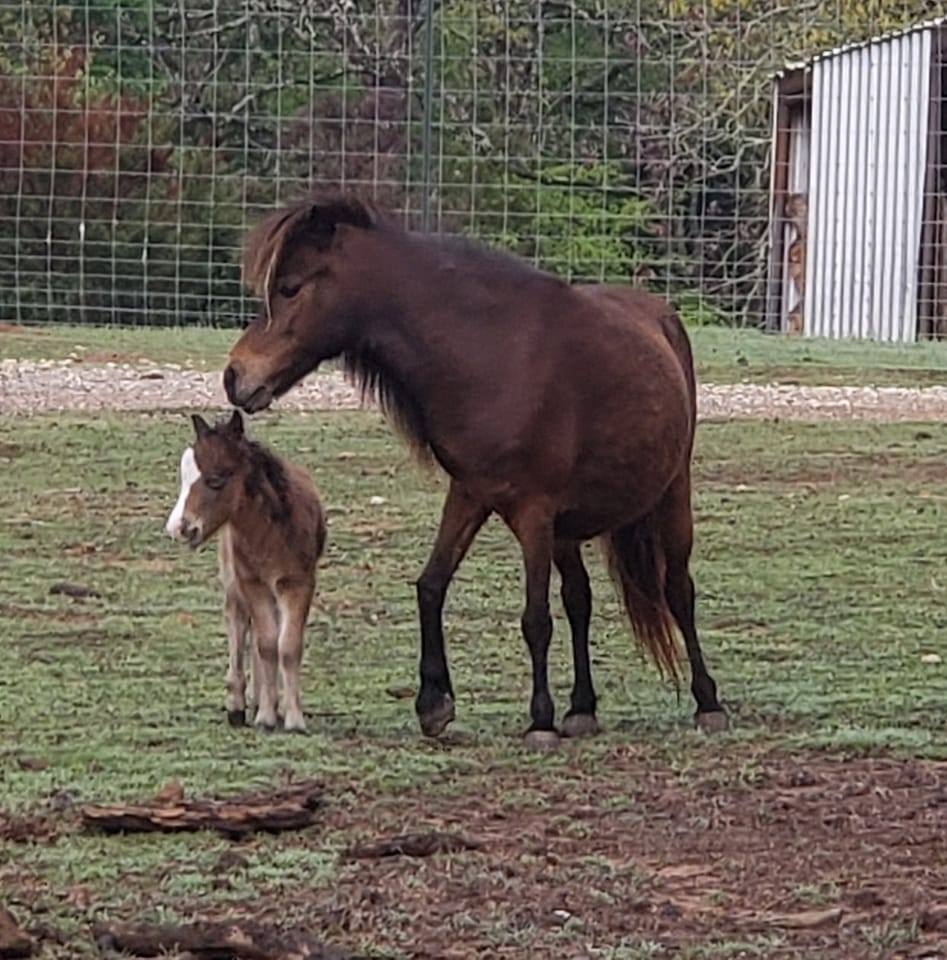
[(47, 386)]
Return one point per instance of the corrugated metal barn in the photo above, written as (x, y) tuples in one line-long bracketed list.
[(858, 211)]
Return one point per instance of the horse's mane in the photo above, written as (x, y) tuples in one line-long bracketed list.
[(394, 401)]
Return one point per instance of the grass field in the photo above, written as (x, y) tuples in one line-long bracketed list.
[(820, 567), (723, 355)]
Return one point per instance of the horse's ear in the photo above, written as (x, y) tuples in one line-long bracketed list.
[(201, 426), (235, 426), (325, 219)]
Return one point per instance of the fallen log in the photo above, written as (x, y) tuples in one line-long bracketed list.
[(289, 808), (413, 845), (214, 941)]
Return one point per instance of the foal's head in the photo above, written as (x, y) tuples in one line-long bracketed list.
[(304, 262), (212, 472)]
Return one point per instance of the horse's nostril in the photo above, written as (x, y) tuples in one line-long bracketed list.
[(230, 379)]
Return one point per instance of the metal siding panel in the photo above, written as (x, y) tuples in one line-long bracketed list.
[(919, 106), (815, 197), (885, 233), (851, 207), (863, 281), (841, 105), (867, 160), (835, 226), (901, 114)]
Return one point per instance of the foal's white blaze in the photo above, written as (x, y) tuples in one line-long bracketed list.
[(190, 474)]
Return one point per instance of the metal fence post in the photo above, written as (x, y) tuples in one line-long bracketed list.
[(426, 137)]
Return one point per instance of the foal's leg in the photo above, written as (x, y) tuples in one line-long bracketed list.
[(237, 616), (265, 628), (533, 527), (677, 535), (461, 518), (577, 599), (293, 609)]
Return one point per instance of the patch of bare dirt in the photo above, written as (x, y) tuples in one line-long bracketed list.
[(826, 857), (826, 471), (798, 855)]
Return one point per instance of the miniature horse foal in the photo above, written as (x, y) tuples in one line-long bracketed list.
[(272, 533)]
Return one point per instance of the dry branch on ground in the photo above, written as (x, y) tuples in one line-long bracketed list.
[(289, 808), (215, 941)]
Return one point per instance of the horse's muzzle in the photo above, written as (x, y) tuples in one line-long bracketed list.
[(245, 396)]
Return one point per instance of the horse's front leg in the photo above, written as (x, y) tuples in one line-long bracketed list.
[(461, 518), (533, 527)]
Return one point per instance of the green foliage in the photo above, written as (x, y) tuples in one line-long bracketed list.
[(234, 108)]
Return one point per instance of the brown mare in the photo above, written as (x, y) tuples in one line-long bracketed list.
[(567, 410), (272, 533)]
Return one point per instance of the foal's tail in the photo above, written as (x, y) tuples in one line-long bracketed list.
[(637, 564)]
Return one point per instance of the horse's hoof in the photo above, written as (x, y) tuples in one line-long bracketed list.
[(580, 725), (434, 721), (714, 721), (543, 741), (237, 718)]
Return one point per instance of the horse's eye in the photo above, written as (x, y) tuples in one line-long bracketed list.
[(289, 291), (217, 482)]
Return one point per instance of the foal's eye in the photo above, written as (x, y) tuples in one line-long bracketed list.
[(289, 290), (217, 482)]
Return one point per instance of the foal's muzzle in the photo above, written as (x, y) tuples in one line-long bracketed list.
[(188, 533)]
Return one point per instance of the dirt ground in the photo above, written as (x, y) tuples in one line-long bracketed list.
[(789, 856), (820, 855), (48, 386)]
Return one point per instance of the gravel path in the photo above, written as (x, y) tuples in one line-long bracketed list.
[(50, 386)]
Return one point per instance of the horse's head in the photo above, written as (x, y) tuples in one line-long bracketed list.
[(210, 481), (294, 261)]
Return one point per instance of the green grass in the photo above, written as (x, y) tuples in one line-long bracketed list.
[(723, 355), (821, 578), (198, 347)]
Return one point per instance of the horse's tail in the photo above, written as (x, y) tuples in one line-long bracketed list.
[(637, 564)]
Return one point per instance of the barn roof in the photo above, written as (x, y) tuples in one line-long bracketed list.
[(793, 66)]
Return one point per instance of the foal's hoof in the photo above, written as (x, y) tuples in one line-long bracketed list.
[(714, 721), (295, 725), (434, 721), (237, 718), (542, 741), (580, 725)]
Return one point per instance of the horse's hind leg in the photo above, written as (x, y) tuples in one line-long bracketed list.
[(460, 521), (577, 599), (677, 536), (293, 608)]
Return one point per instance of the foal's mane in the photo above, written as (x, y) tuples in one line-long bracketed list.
[(267, 478)]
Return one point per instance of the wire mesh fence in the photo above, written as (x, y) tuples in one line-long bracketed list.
[(620, 140)]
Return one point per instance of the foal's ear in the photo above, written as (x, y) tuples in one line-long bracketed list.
[(235, 425), (201, 426)]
